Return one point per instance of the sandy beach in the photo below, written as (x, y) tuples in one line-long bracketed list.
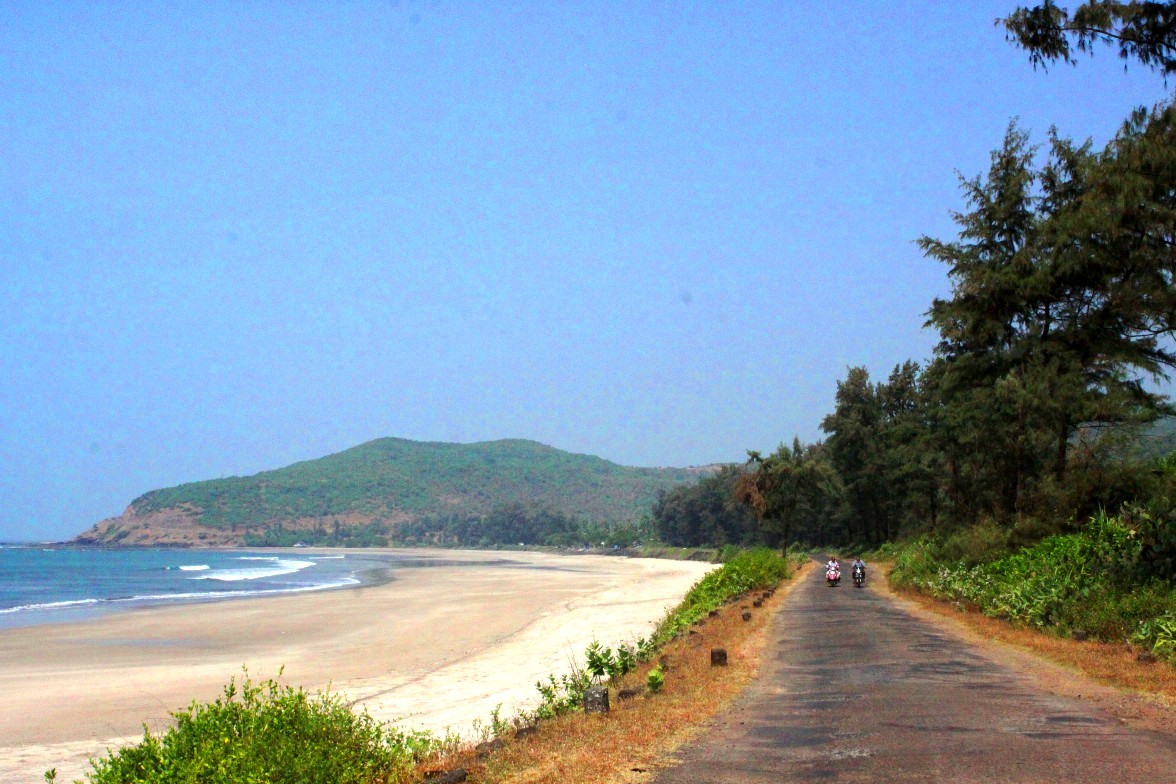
[(435, 648)]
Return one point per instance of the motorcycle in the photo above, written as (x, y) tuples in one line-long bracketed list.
[(859, 576), (833, 576)]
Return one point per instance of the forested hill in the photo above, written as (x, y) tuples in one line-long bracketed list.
[(1158, 439), (388, 481)]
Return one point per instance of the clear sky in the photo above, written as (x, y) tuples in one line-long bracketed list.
[(237, 235)]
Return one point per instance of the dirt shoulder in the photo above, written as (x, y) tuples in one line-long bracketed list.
[(1141, 695)]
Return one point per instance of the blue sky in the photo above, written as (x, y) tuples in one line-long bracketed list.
[(233, 236)]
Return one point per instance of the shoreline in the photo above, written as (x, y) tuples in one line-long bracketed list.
[(72, 610), (436, 647), (80, 608)]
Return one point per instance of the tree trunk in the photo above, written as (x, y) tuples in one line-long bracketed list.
[(1063, 444)]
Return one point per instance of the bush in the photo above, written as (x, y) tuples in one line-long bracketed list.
[(267, 733), (975, 544), (560, 695), (1159, 635), (1103, 579), (655, 679), (749, 570)]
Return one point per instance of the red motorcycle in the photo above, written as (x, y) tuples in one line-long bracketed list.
[(833, 576)]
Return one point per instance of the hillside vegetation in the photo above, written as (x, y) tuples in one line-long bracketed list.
[(369, 489)]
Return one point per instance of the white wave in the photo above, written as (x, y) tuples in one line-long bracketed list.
[(191, 595), (51, 605), (340, 583), (194, 568), (329, 557), (280, 566)]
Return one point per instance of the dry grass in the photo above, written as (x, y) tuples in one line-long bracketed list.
[(1109, 663), (636, 736)]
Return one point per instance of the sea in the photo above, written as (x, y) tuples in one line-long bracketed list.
[(51, 584)]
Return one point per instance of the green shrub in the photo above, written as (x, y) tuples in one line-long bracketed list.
[(749, 570), (1101, 579), (267, 733), (975, 544), (655, 679), (1154, 529), (1159, 635), (560, 695)]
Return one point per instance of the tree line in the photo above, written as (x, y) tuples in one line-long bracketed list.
[(1061, 312), (518, 524)]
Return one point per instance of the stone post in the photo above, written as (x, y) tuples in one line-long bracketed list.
[(596, 700)]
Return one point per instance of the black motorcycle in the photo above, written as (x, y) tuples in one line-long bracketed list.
[(859, 576)]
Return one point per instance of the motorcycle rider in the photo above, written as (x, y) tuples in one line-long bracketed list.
[(833, 564), (858, 563)]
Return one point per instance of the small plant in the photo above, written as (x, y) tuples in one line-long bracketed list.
[(563, 694), (498, 725), (655, 679), (600, 661), (625, 660), (645, 649), (1159, 635)]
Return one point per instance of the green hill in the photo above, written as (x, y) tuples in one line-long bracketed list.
[(1158, 439), (391, 480)]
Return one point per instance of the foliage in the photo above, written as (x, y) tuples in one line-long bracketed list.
[(1100, 579), (751, 570), (277, 535), (706, 512), (603, 662), (561, 695), (793, 489), (655, 679), (519, 523), (1062, 304), (1153, 539), (1057, 309), (268, 733), (1145, 31), (877, 445), (392, 478), (1158, 635)]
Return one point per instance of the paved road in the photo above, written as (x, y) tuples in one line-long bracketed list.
[(856, 689)]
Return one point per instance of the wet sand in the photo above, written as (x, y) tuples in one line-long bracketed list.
[(435, 648)]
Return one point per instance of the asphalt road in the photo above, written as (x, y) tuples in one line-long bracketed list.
[(855, 689)]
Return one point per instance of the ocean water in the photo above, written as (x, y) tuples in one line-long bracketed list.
[(40, 584)]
